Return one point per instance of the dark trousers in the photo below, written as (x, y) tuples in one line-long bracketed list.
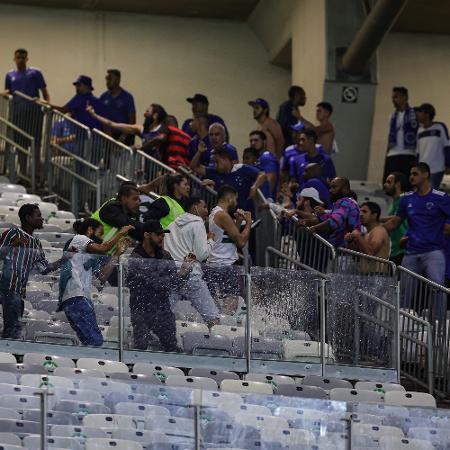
[(153, 314), (398, 163), (80, 313), (397, 259), (12, 312)]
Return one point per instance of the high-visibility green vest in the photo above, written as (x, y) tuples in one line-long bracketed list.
[(108, 230), (175, 210)]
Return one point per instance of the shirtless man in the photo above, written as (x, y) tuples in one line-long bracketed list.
[(376, 242), (325, 130), (270, 127)]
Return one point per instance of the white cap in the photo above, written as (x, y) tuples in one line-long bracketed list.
[(311, 193)]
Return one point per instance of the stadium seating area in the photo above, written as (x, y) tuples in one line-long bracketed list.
[(98, 404)]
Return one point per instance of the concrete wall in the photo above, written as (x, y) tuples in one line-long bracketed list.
[(163, 59), (421, 62)]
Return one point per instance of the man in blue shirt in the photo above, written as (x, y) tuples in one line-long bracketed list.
[(81, 100), (215, 140), (265, 161), (200, 105), (292, 151), (244, 178), (27, 80), (427, 211), (307, 141), (286, 117), (119, 105), (312, 179)]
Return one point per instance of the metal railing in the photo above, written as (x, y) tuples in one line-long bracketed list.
[(114, 159), (309, 248), (208, 194), (18, 150), (429, 301), (72, 177)]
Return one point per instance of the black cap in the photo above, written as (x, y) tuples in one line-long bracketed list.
[(426, 108), (153, 226), (200, 98), (84, 79)]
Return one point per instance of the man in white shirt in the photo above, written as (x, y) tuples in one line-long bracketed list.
[(225, 221), (433, 144), (401, 148), (188, 240)]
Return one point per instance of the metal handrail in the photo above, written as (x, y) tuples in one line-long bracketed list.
[(423, 279), (195, 178), (155, 161), (369, 257)]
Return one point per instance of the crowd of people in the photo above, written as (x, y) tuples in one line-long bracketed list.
[(290, 159)]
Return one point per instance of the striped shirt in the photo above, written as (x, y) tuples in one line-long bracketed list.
[(177, 148), (19, 260)]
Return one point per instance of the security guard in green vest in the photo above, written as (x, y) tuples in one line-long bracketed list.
[(168, 207), (119, 212)]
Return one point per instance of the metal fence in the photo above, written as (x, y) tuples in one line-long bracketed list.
[(423, 299), (18, 151), (72, 177), (308, 248), (208, 194)]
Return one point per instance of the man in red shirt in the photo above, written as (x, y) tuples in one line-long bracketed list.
[(177, 150)]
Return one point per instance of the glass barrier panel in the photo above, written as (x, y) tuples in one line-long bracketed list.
[(184, 308), (284, 314), (361, 319)]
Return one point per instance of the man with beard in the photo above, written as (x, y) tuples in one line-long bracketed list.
[(153, 131), (270, 127), (151, 277), (343, 218), (395, 186), (225, 223)]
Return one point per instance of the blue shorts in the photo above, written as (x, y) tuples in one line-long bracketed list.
[(80, 313)]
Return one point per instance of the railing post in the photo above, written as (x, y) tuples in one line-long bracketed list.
[(397, 346), (430, 359), (322, 325), (120, 307), (43, 394), (33, 165), (248, 321)]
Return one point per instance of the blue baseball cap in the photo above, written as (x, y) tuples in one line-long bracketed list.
[(84, 79), (259, 101), (299, 126)]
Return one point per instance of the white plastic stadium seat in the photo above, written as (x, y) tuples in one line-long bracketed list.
[(37, 380), (307, 351), (246, 387), (227, 330), (64, 224), (191, 382), (7, 358), (396, 443), (102, 365), (410, 399), (10, 187), (373, 386), (376, 431), (64, 215), (270, 379), (12, 218), (260, 421), (10, 439), (289, 437), (115, 444), (108, 421), (16, 196), (355, 396), (54, 237), (33, 442), (156, 369), (233, 409), (48, 361), (7, 210), (221, 399), (77, 431)]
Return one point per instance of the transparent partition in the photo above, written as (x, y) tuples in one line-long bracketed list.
[(189, 309), (70, 303), (362, 320), (284, 315)]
